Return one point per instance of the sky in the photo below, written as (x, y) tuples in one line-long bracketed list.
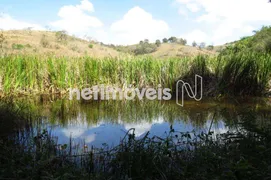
[(125, 22)]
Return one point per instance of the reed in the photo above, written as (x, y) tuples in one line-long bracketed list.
[(29, 74), (236, 74), (245, 74)]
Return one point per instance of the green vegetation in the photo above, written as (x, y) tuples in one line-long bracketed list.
[(245, 74), (158, 42), (144, 48), (2, 40), (232, 74), (165, 40), (61, 36), (90, 46), (258, 43), (17, 46), (210, 47), (29, 74)]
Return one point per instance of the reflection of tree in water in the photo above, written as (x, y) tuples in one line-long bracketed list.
[(65, 112)]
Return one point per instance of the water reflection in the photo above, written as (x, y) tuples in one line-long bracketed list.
[(96, 123)]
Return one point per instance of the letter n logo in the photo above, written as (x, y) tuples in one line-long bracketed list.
[(186, 86)]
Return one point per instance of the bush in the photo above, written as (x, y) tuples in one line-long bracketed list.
[(165, 40), (2, 40), (194, 44), (90, 46), (210, 47), (75, 48), (182, 41), (158, 42), (44, 41), (245, 73), (61, 36), (145, 48), (17, 46)]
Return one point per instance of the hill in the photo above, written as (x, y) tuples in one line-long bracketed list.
[(260, 42), (177, 50), (165, 50), (47, 43), (61, 44)]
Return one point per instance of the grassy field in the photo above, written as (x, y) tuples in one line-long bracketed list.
[(235, 74)]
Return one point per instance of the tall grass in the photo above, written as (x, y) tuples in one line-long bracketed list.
[(245, 74), (24, 74), (237, 74)]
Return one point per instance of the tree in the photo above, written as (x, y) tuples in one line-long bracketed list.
[(182, 41), (158, 42), (173, 39), (202, 45), (194, 44), (210, 47), (165, 40), (141, 42), (29, 30), (61, 36), (144, 48), (146, 41)]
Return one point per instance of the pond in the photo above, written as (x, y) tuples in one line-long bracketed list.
[(100, 123)]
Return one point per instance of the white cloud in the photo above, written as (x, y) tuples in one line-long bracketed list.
[(143, 127), (193, 7), (136, 25), (9, 23), (196, 35), (229, 19), (86, 5), (75, 19)]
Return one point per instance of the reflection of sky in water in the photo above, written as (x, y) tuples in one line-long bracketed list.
[(111, 134)]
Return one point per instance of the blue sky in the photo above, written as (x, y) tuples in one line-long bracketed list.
[(129, 21)]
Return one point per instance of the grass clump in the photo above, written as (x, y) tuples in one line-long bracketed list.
[(245, 74), (90, 46), (17, 46), (44, 41)]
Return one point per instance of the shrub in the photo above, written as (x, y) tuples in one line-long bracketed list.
[(245, 73), (2, 40), (182, 41), (74, 48), (194, 44), (158, 42), (144, 48), (44, 41), (210, 47), (17, 46), (172, 39), (90, 46), (61, 36)]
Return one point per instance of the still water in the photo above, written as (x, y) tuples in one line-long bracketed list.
[(107, 122)]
